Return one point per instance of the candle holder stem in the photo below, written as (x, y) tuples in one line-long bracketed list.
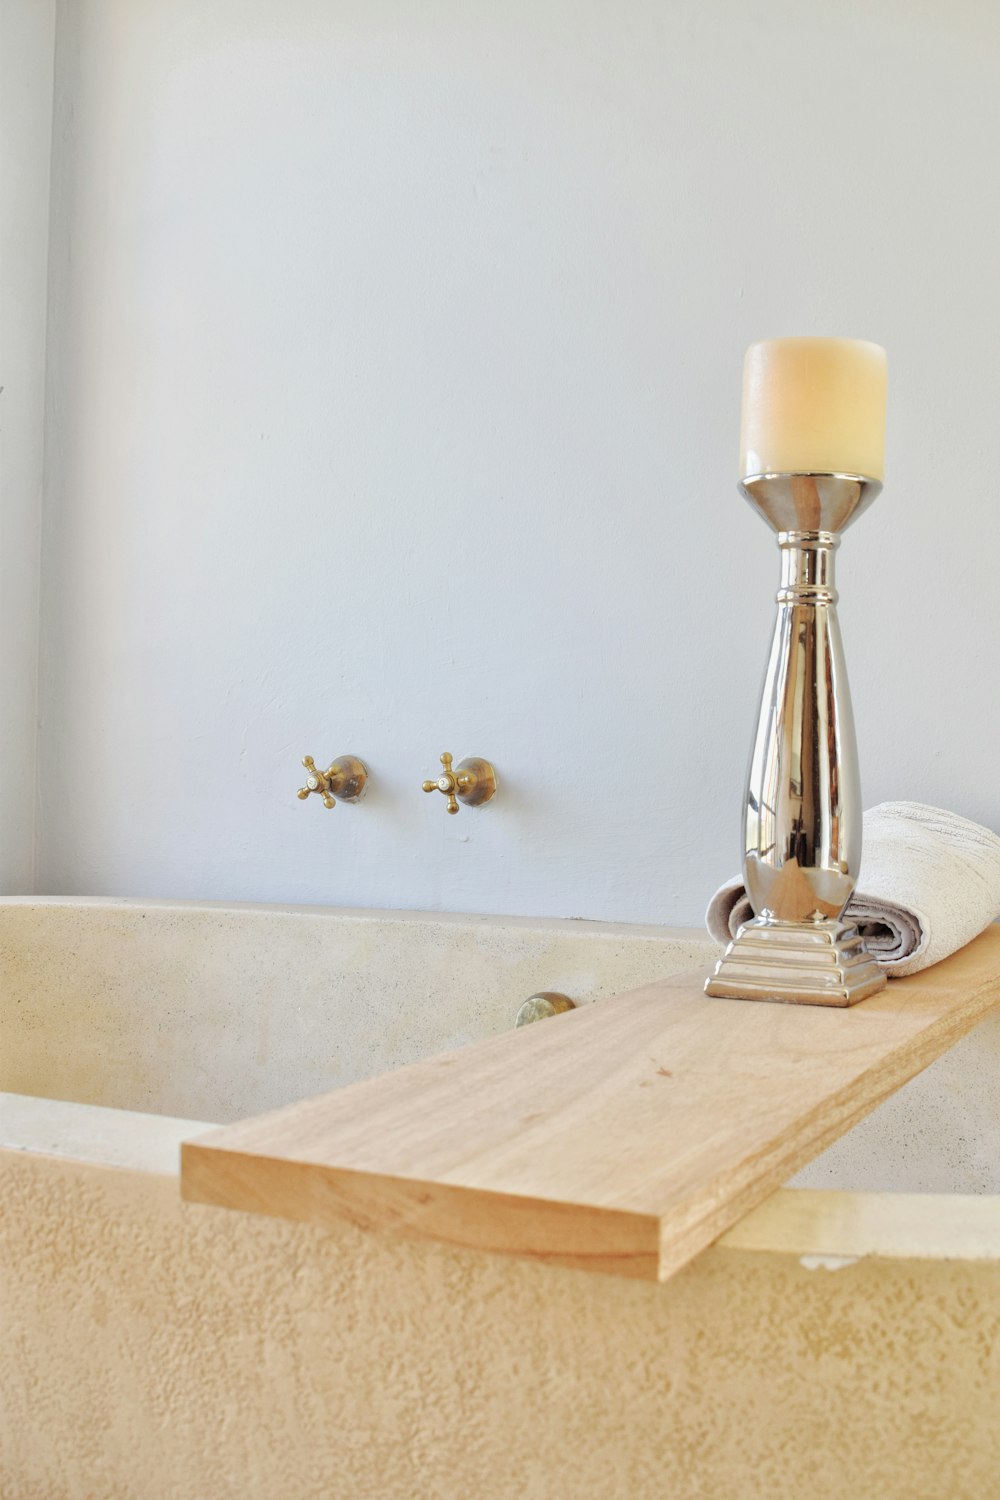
[(802, 809)]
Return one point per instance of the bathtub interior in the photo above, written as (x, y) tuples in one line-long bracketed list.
[(218, 1013), (212, 1013)]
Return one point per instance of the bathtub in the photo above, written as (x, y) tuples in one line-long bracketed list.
[(842, 1341)]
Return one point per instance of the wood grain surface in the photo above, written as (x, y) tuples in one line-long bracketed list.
[(621, 1137)]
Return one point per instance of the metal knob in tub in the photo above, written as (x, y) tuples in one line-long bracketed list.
[(539, 1007)]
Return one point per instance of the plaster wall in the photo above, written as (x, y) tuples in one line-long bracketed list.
[(27, 43), (394, 389)]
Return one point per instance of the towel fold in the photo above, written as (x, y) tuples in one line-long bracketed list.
[(929, 883)]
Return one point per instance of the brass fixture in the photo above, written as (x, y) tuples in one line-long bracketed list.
[(539, 1007), (472, 782), (345, 779)]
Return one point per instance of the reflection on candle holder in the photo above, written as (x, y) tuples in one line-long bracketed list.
[(802, 809)]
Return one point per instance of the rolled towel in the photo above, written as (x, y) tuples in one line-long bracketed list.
[(929, 883)]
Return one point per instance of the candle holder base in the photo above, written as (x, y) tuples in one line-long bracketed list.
[(798, 963)]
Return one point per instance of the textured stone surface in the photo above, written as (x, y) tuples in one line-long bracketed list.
[(156, 1351), (214, 1013)]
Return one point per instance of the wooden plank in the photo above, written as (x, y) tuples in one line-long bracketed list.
[(621, 1137)]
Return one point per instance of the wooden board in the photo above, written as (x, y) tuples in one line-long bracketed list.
[(621, 1137)]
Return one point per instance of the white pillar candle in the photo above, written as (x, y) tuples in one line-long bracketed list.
[(813, 406)]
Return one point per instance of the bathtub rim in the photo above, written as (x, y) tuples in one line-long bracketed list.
[(592, 926), (824, 1228)]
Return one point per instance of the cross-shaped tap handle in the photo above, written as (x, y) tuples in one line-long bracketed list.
[(346, 778), (446, 783), (473, 781)]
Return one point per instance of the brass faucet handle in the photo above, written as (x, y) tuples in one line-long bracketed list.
[(473, 781), (446, 783), (345, 778)]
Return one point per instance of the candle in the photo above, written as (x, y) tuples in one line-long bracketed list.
[(813, 406)]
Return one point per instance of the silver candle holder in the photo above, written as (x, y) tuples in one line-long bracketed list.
[(802, 810)]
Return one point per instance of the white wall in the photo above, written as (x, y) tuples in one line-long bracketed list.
[(394, 383), (27, 41)]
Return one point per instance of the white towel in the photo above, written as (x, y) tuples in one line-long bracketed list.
[(929, 883)]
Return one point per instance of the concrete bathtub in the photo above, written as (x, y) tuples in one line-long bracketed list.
[(840, 1342)]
